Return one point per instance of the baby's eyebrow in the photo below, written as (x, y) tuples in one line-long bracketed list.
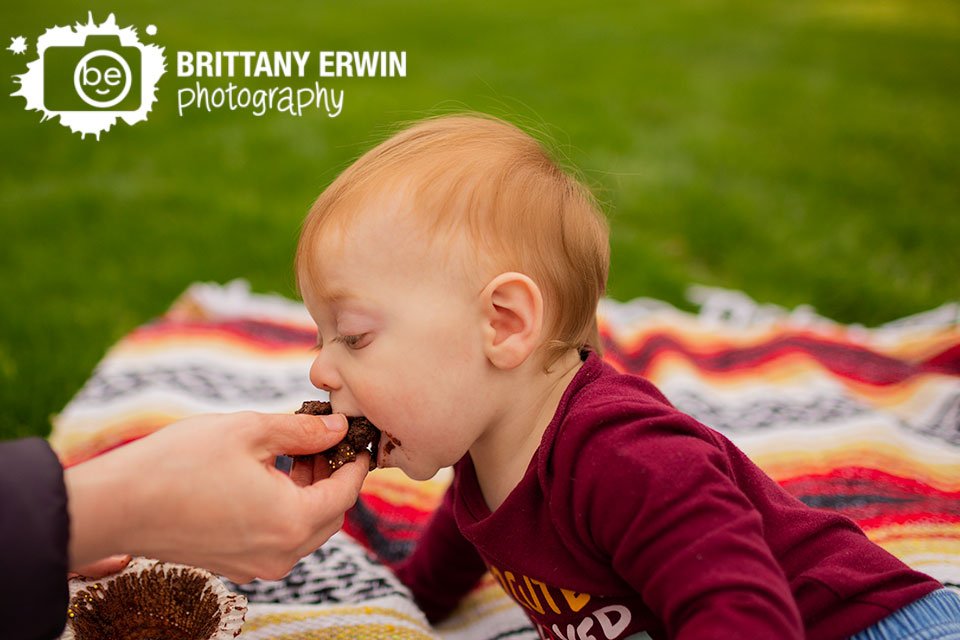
[(340, 300), (356, 312), (333, 296)]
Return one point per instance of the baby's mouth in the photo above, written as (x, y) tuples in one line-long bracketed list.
[(362, 435)]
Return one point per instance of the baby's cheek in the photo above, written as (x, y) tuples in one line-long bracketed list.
[(383, 403)]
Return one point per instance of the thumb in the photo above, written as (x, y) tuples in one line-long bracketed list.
[(299, 434)]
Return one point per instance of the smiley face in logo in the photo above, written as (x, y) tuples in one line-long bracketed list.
[(106, 74)]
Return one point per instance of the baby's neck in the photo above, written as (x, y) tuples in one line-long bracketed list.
[(502, 455)]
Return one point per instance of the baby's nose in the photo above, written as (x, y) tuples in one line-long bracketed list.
[(323, 375)]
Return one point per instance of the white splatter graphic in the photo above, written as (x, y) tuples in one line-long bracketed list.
[(93, 115), (18, 45)]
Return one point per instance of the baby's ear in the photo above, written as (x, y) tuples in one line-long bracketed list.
[(513, 319)]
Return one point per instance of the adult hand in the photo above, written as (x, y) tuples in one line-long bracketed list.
[(204, 492)]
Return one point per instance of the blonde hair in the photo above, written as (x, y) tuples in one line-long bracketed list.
[(486, 178)]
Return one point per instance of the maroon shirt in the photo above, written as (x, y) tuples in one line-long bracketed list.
[(635, 517)]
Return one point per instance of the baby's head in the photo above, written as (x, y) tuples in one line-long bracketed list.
[(447, 259)]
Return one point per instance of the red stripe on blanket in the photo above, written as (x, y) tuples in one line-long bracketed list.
[(843, 359), (876, 479)]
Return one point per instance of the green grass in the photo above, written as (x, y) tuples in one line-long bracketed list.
[(804, 152)]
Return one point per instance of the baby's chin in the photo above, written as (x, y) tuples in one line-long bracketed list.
[(419, 474), (396, 459)]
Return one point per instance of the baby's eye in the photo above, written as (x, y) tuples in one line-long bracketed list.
[(357, 341), (318, 345)]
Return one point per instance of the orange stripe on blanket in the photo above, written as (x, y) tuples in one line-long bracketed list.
[(921, 545), (786, 466), (83, 447), (887, 533), (207, 338)]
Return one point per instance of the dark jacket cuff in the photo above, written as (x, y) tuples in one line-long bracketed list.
[(34, 533)]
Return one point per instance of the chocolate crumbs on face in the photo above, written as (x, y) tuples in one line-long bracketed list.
[(361, 436)]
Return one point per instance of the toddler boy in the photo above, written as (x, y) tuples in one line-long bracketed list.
[(453, 272)]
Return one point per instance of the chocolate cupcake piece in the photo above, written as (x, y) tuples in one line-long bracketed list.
[(361, 436)]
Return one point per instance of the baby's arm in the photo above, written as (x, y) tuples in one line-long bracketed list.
[(685, 536), (443, 567)]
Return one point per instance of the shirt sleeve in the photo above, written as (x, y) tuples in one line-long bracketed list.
[(34, 532), (662, 504), (444, 566)]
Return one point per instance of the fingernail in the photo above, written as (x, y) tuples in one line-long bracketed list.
[(335, 422)]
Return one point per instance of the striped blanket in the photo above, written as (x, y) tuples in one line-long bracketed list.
[(863, 421)]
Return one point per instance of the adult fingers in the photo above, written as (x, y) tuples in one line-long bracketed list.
[(302, 472), (309, 469), (330, 498), (239, 577), (320, 537), (101, 568), (298, 434)]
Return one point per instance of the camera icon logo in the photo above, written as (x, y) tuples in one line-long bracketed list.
[(93, 74), (101, 74)]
